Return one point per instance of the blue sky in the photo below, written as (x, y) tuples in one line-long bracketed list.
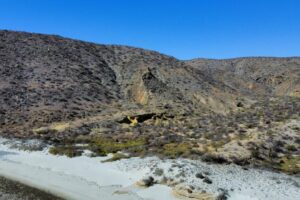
[(182, 28)]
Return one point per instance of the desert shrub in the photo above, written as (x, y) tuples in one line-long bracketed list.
[(173, 150), (103, 146), (255, 153), (214, 158), (69, 151), (270, 132), (290, 165), (291, 147), (117, 156), (158, 172), (218, 144), (251, 125)]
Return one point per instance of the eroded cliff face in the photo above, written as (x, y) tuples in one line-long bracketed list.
[(140, 94)]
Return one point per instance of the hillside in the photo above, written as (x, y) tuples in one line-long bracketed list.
[(43, 75), (67, 91), (255, 76)]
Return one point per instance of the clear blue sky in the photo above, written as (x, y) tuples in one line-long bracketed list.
[(181, 28)]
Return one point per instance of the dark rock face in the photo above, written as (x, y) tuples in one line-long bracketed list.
[(68, 91)]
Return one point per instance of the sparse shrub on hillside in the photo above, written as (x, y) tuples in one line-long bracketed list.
[(117, 156), (291, 147), (158, 172), (69, 151), (103, 145), (174, 150), (290, 165)]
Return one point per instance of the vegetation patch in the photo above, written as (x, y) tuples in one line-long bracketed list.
[(117, 156), (69, 151), (290, 165), (59, 127), (53, 128), (291, 147), (173, 150), (218, 144), (103, 146)]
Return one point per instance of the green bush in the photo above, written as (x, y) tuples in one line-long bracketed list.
[(291, 147), (103, 146), (173, 150), (69, 151)]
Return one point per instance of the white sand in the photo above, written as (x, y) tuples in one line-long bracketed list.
[(77, 178), (87, 178)]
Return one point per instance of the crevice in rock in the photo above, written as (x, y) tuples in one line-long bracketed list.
[(140, 118)]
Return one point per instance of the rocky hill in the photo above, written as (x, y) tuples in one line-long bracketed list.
[(255, 76), (123, 98), (49, 78)]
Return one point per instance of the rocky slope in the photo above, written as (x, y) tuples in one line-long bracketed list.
[(114, 98), (48, 78), (255, 76)]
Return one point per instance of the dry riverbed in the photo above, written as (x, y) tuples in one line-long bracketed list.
[(135, 178)]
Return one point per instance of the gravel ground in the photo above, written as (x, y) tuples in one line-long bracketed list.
[(256, 184), (11, 190)]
